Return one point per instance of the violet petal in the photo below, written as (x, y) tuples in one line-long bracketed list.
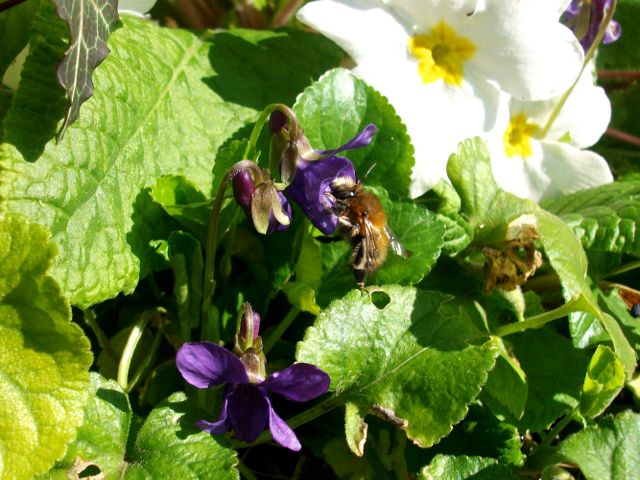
[(300, 382), (219, 426), (281, 432), (311, 189), (243, 188), (362, 139), (248, 411), (205, 364)]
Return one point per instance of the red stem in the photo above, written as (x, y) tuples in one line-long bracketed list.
[(631, 74), (624, 137)]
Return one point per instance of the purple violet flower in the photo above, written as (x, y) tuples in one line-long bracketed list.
[(246, 407), (584, 18), (311, 185)]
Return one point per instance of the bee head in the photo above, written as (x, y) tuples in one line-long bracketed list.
[(344, 187)]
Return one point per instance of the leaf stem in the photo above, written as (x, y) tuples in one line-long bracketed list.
[(587, 57), (90, 319), (555, 431), (130, 348), (623, 269), (245, 471), (282, 327), (148, 358), (539, 321)]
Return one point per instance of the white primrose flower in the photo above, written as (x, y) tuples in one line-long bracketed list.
[(533, 164), (442, 63)]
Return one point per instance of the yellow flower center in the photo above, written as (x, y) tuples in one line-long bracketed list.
[(441, 54), (517, 137)]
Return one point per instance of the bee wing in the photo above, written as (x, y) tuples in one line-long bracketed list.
[(396, 246), (366, 253)]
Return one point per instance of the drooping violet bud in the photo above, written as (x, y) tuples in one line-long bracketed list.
[(277, 121), (258, 196), (585, 17)]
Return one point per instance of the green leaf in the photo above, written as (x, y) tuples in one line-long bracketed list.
[(170, 446), (602, 383), (15, 25), (102, 438), (608, 451), (308, 270), (554, 371), (44, 358), (416, 228), (337, 107), (492, 212), (447, 467), (410, 362), (185, 258), (604, 218), (482, 434), (90, 24), (89, 189), (186, 204), (506, 390)]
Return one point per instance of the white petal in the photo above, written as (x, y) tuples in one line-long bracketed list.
[(554, 169), (524, 49), (363, 28), (572, 169), (585, 115), (424, 15)]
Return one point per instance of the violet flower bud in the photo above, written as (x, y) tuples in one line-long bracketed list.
[(258, 196)]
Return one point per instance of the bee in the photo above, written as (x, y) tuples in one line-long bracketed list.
[(362, 222)]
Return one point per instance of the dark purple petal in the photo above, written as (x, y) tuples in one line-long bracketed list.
[(585, 18), (281, 432), (277, 120), (248, 411), (243, 188), (300, 382), (205, 364), (219, 426), (311, 189), (362, 139), (274, 225)]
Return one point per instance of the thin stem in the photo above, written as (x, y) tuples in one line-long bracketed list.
[(9, 4), (262, 119), (130, 348), (146, 361), (283, 17), (623, 268), (555, 431), (282, 327), (539, 321), (103, 341), (587, 57), (623, 136), (626, 74), (209, 283), (246, 473)]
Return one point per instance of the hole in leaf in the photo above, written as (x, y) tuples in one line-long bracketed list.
[(90, 471), (380, 299)]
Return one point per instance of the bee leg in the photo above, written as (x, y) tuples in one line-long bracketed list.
[(327, 239), (361, 278)]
